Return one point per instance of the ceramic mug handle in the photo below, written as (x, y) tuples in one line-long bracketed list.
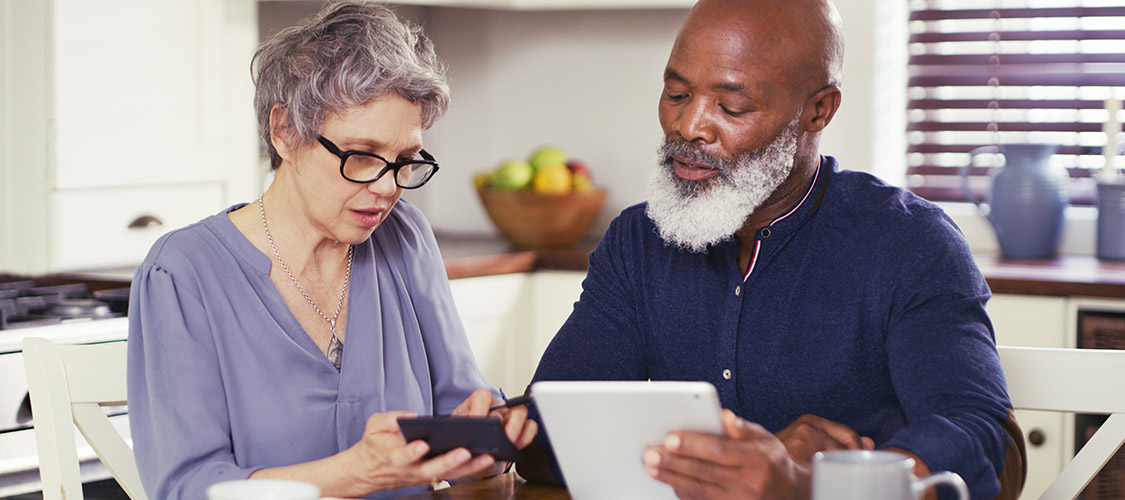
[(950, 478)]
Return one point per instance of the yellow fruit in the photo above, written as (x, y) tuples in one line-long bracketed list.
[(552, 179), (582, 182), (480, 180)]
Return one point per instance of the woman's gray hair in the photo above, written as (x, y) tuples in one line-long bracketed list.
[(345, 56)]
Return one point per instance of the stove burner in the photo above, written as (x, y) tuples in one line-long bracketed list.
[(79, 308), (27, 303)]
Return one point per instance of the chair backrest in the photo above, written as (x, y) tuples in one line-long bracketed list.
[(1071, 380), (68, 385)]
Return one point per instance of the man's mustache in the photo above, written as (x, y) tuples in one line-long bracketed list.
[(692, 153)]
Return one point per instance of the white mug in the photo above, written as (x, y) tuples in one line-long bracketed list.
[(263, 489), (874, 475)]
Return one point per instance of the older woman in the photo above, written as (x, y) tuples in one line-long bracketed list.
[(284, 338)]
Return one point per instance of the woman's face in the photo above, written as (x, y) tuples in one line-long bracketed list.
[(345, 211)]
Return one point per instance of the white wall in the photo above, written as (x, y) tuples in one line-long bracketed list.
[(586, 81)]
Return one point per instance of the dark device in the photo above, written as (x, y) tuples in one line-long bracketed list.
[(480, 435)]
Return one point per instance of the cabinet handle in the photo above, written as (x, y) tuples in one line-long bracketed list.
[(145, 222), (1036, 437)]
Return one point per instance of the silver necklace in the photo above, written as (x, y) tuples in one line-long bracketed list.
[(335, 346)]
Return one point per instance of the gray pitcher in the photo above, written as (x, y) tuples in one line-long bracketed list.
[(1026, 201)]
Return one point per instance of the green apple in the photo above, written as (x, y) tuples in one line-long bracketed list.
[(547, 155), (512, 175)]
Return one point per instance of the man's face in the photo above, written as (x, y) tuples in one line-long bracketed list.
[(731, 122), (696, 214)]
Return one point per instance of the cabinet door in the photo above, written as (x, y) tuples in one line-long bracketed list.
[(1032, 321), (103, 228), (138, 92), (554, 293), (497, 317)]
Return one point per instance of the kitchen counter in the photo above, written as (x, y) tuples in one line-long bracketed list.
[(469, 256)]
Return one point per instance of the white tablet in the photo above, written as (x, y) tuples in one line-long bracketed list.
[(600, 429)]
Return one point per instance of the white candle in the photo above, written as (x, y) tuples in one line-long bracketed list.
[(1112, 128)]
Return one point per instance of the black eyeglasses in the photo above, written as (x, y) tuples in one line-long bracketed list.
[(364, 168)]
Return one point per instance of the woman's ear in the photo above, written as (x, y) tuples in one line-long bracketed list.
[(280, 136), (824, 105)]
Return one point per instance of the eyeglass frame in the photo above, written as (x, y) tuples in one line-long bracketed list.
[(427, 159)]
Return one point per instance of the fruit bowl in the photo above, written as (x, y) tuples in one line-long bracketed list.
[(535, 220)]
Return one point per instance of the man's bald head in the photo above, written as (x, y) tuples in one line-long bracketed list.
[(802, 38)]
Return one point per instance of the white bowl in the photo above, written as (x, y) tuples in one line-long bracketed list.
[(263, 489)]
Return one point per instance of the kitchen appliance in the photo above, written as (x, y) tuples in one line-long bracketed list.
[(66, 309)]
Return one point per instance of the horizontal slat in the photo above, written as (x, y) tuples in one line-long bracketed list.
[(984, 36), (1004, 104), (1006, 59), (965, 148), (929, 126), (1078, 196), (938, 15), (1046, 80), (1007, 72), (981, 171)]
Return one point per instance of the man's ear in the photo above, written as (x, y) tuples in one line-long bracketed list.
[(279, 132), (824, 103)]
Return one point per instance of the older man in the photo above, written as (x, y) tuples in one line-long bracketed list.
[(829, 309)]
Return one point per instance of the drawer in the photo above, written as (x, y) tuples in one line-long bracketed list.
[(92, 227)]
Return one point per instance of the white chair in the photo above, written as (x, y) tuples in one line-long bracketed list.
[(68, 385), (1071, 380)]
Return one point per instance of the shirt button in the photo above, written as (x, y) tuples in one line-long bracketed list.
[(766, 232), (726, 374), (738, 290)]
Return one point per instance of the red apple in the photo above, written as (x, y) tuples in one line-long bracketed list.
[(579, 167)]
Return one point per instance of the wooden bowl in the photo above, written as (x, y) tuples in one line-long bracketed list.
[(533, 220)]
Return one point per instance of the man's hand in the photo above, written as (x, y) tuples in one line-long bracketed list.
[(810, 434), (747, 463)]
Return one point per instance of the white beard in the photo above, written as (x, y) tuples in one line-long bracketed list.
[(694, 215)]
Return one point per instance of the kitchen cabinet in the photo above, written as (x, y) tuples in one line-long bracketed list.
[(123, 119), (510, 318), (1037, 321)]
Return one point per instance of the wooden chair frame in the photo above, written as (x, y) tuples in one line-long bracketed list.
[(68, 385), (1071, 380)]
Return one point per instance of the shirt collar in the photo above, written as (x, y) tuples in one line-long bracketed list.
[(803, 210)]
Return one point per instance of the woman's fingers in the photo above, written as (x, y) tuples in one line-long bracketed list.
[(476, 405), (530, 429), (513, 422), (479, 466), (411, 453), (441, 466)]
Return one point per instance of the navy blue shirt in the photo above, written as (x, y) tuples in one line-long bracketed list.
[(863, 305)]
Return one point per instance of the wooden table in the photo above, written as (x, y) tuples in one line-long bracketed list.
[(503, 487)]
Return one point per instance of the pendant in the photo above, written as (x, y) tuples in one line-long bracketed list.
[(335, 352)]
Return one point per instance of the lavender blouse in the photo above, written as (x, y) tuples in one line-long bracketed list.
[(223, 380)]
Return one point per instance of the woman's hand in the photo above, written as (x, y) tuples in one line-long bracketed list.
[(386, 461), (521, 431)]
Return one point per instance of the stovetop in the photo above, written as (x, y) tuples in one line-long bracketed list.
[(30, 302), (67, 308)]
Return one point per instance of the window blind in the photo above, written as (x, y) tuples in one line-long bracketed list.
[(985, 72)]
